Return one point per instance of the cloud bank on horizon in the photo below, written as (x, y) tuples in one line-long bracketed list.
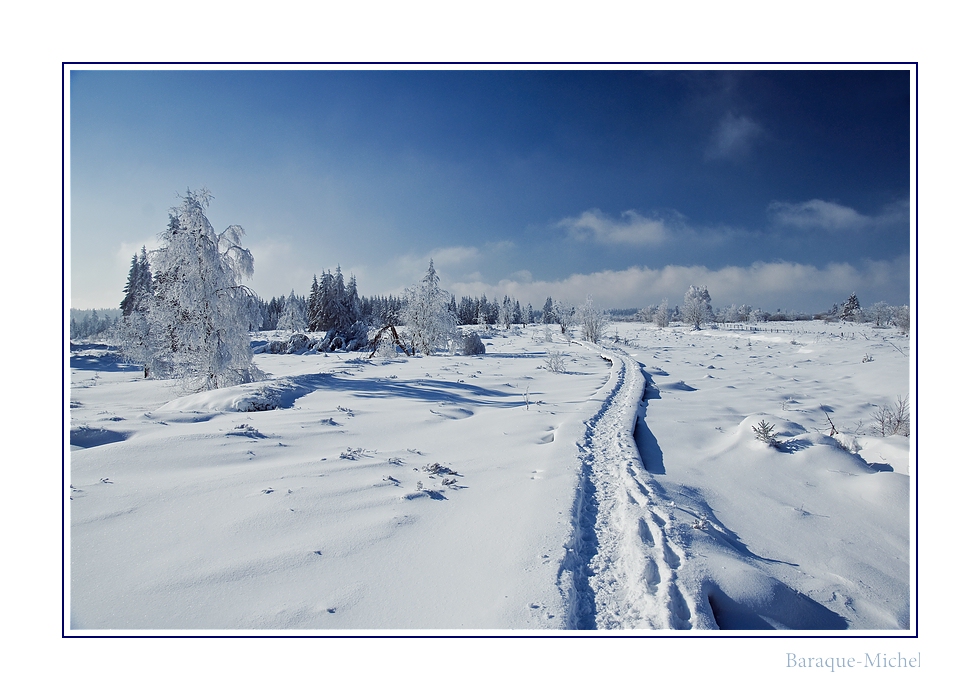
[(781, 189)]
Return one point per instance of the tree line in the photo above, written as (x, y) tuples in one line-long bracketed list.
[(187, 314)]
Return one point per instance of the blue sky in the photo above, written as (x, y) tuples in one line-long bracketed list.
[(777, 188)]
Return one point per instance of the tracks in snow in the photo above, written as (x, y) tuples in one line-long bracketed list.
[(620, 569)]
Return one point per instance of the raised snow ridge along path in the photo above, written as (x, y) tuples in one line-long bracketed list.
[(620, 571)]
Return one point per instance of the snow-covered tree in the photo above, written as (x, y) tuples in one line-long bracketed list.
[(139, 285), (592, 320), (851, 308), (293, 315), (662, 315), (564, 315), (902, 319), (199, 311), (429, 326), (548, 312), (880, 314), (697, 306), (506, 313)]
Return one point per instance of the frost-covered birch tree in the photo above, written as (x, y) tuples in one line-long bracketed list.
[(429, 325), (697, 306), (199, 310)]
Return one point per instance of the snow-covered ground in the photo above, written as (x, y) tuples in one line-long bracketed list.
[(486, 492)]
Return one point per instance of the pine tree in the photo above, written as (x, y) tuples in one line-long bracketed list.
[(311, 305), (139, 284), (429, 326), (850, 309), (548, 312)]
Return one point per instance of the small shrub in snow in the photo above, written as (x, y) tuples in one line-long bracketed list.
[(472, 345), (766, 432), (352, 453), (386, 349), (437, 469), (277, 347), (892, 420), (298, 344), (555, 362)]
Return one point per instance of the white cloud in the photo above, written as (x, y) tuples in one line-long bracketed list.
[(631, 228), (818, 214), (413, 267), (781, 285), (732, 137)]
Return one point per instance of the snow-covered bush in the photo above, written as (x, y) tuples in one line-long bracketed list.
[(472, 345), (892, 420), (592, 320), (386, 349), (357, 336), (298, 344), (555, 362)]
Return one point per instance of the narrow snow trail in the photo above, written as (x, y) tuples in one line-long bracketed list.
[(621, 567)]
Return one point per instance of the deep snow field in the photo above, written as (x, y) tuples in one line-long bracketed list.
[(488, 493)]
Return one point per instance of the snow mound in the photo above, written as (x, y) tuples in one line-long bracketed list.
[(677, 386), (245, 398), (452, 412)]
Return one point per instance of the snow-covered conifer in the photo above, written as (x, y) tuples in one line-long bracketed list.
[(548, 312), (293, 316), (850, 309), (429, 326), (506, 313), (139, 285)]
